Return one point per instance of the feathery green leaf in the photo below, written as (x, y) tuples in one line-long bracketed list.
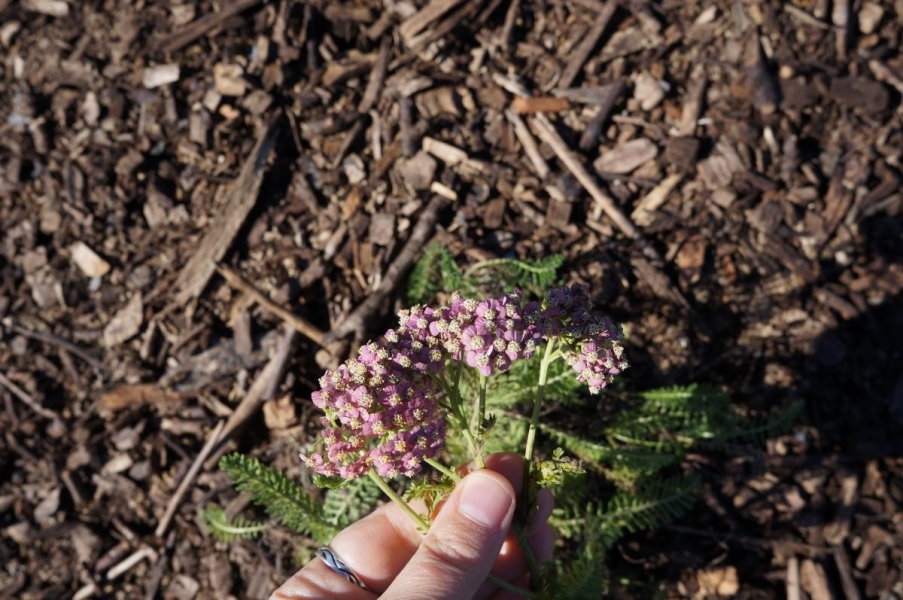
[(282, 498), (227, 529)]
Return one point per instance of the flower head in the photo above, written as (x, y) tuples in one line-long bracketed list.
[(381, 406)]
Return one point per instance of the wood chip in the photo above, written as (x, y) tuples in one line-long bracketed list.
[(53, 8), (869, 17), (280, 414), (216, 241), (419, 171), (721, 581), (651, 202), (417, 22), (228, 79), (126, 323), (815, 581), (648, 91), (159, 75), (524, 106), (88, 261), (859, 92), (587, 45), (626, 157), (382, 229)]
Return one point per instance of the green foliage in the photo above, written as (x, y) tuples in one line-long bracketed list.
[(518, 385), (505, 274), (437, 271), (431, 492), (582, 577), (282, 498), (226, 528), (347, 504)]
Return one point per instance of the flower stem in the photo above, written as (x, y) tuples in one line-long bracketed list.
[(528, 492), (547, 358), (422, 524), (443, 469)]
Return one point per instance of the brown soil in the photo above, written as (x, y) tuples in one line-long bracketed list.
[(723, 175)]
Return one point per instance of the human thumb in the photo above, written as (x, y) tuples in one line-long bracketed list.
[(463, 542)]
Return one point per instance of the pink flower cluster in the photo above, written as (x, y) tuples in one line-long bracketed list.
[(488, 335), (382, 407), (589, 343), (381, 410)]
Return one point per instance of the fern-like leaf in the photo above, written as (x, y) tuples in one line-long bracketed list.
[(653, 502), (425, 278), (519, 384), (775, 423), (349, 503), (282, 498), (586, 450), (505, 274), (226, 528)]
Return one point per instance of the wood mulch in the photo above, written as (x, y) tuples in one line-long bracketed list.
[(182, 180)]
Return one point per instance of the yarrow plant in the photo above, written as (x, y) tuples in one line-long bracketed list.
[(388, 408)]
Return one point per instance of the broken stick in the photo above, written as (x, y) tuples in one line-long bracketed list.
[(303, 326), (586, 47), (216, 242), (358, 318), (653, 271)]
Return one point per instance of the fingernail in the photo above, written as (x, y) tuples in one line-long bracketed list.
[(484, 500)]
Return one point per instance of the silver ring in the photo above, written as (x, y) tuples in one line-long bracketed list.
[(339, 567)]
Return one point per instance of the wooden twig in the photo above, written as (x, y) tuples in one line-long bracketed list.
[(529, 105), (128, 563), (196, 273), (845, 570), (358, 318), (303, 326), (650, 268), (201, 25), (547, 133), (510, 18), (422, 18), (590, 137), (802, 15), (692, 107), (589, 43), (778, 546), (526, 139), (377, 78), (840, 17), (259, 392), (188, 480), (53, 340), (793, 579), (406, 125), (26, 398)]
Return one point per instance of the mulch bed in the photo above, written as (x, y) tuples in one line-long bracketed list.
[(180, 179)]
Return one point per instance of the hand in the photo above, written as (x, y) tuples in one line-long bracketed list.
[(468, 540)]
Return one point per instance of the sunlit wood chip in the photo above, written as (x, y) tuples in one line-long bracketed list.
[(88, 261)]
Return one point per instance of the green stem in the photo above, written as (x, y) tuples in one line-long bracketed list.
[(422, 524), (443, 469), (549, 356), (525, 505), (511, 587), (481, 409)]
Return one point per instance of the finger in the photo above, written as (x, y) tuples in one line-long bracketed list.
[(545, 504), (375, 548), (463, 543), (512, 564), (378, 547)]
